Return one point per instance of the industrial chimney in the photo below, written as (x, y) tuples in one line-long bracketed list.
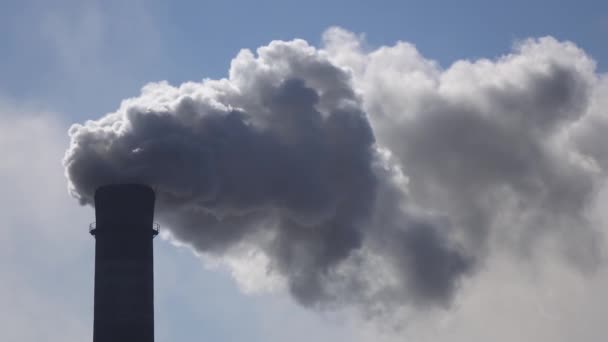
[(124, 288)]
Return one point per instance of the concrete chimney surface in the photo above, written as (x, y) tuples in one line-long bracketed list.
[(124, 288)]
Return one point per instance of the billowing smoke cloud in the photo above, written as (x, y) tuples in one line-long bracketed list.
[(489, 143), (368, 178)]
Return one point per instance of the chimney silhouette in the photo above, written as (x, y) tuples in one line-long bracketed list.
[(124, 275)]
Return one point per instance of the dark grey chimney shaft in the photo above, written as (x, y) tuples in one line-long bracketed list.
[(124, 278)]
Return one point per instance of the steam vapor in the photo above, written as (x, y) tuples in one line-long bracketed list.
[(372, 178)]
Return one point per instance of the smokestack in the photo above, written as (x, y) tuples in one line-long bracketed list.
[(124, 284)]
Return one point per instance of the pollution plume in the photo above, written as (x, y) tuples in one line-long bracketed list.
[(365, 177)]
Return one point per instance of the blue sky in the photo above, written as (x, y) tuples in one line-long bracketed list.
[(69, 61)]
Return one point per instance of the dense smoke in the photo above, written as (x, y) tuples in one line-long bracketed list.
[(368, 178)]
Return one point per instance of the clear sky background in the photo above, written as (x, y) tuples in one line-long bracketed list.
[(69, 61)]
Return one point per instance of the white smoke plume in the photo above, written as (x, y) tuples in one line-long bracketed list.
[(371, 178)]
